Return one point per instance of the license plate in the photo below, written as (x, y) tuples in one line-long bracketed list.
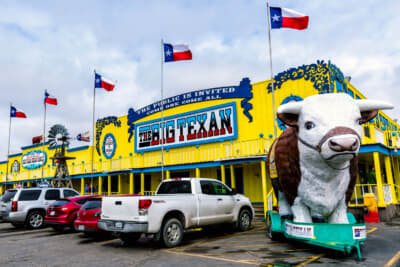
[(52, 213), (81, 227), (118, 225)]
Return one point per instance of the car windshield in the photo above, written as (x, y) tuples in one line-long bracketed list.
[(60, 203), (175, 187), (8, 195), (92, 204)]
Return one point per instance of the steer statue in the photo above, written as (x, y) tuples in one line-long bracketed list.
[(313, 164)]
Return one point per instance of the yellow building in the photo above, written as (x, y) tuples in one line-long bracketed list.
[(222, 133)]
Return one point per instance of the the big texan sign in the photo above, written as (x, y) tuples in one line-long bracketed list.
[(217, 123)]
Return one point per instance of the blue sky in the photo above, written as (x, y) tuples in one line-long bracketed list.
[(56, 45)]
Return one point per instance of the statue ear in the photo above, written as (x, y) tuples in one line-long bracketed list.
[(289, 112), (289, 118), (366, 116), (369, 108)]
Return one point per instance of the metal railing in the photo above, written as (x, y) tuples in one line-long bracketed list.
[(357, 199), (202, 153)]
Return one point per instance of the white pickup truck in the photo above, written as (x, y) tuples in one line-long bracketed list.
[(179, 204)]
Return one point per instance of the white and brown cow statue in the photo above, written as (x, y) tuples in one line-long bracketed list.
[(313, 164)]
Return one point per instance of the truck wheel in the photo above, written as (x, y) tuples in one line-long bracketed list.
[(271, 235), (35, 220), (172, 233), (244, 220), (129, 238)]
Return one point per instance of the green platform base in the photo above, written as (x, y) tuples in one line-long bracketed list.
[(341, 237)]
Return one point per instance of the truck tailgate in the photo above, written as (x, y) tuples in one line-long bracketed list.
[(124, 208)]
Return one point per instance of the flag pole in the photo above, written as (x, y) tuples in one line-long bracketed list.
[(8, 151), (162, 110), (44, 133), (93, 128), (272, 75)]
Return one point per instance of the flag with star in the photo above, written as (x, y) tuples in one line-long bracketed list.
[(101, 82), (15, 113), (287, 18), (176, 52)]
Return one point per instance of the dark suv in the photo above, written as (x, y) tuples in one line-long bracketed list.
[(27, 206)]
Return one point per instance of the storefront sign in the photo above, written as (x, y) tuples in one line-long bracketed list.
[(109, 146), (212, 124), (304, 231), (34, 159), (242, 91)]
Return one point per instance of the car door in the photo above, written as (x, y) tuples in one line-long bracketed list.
[(51, 196), (207, 204), (225, 202)]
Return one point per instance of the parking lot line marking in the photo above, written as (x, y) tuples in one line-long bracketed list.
[(310, 260), (17, 233), (372, 230), (210, 257), (257, 251), (194, 248), (279, 259), (393, 260), (108, 241), (252, 240)]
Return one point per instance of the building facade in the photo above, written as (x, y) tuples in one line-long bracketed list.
[(223, 133)]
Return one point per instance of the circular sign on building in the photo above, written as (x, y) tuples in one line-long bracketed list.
[(109, 145)]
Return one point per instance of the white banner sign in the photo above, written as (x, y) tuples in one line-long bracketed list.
[(359, 232), (207, 125), (305, 231)]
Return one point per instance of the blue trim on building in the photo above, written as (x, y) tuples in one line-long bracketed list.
[(56, 147), (77, 148), (378, 148), (35, 145), (14, 155)]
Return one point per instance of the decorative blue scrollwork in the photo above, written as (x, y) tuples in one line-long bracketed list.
[(335, 74), (316, 73), (100, 124)]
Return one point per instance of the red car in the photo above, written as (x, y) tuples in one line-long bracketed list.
[(63, 212), (88, 216)]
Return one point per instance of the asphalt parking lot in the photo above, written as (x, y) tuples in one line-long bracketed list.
[(214, 247)]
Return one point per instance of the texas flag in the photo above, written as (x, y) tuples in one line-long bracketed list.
[(101, 82), (176, 52), (287, 18), (50, 99), (14, 113)]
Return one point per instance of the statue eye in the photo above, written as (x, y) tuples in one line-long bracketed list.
[(309, 125), (359, 121)]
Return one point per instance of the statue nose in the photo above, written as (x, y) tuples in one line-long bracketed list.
[(343, 144)]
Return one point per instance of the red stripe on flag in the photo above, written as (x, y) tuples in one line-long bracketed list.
[(51, 101), (107, 86), (185, 55), (20, 114), (298, 23)]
